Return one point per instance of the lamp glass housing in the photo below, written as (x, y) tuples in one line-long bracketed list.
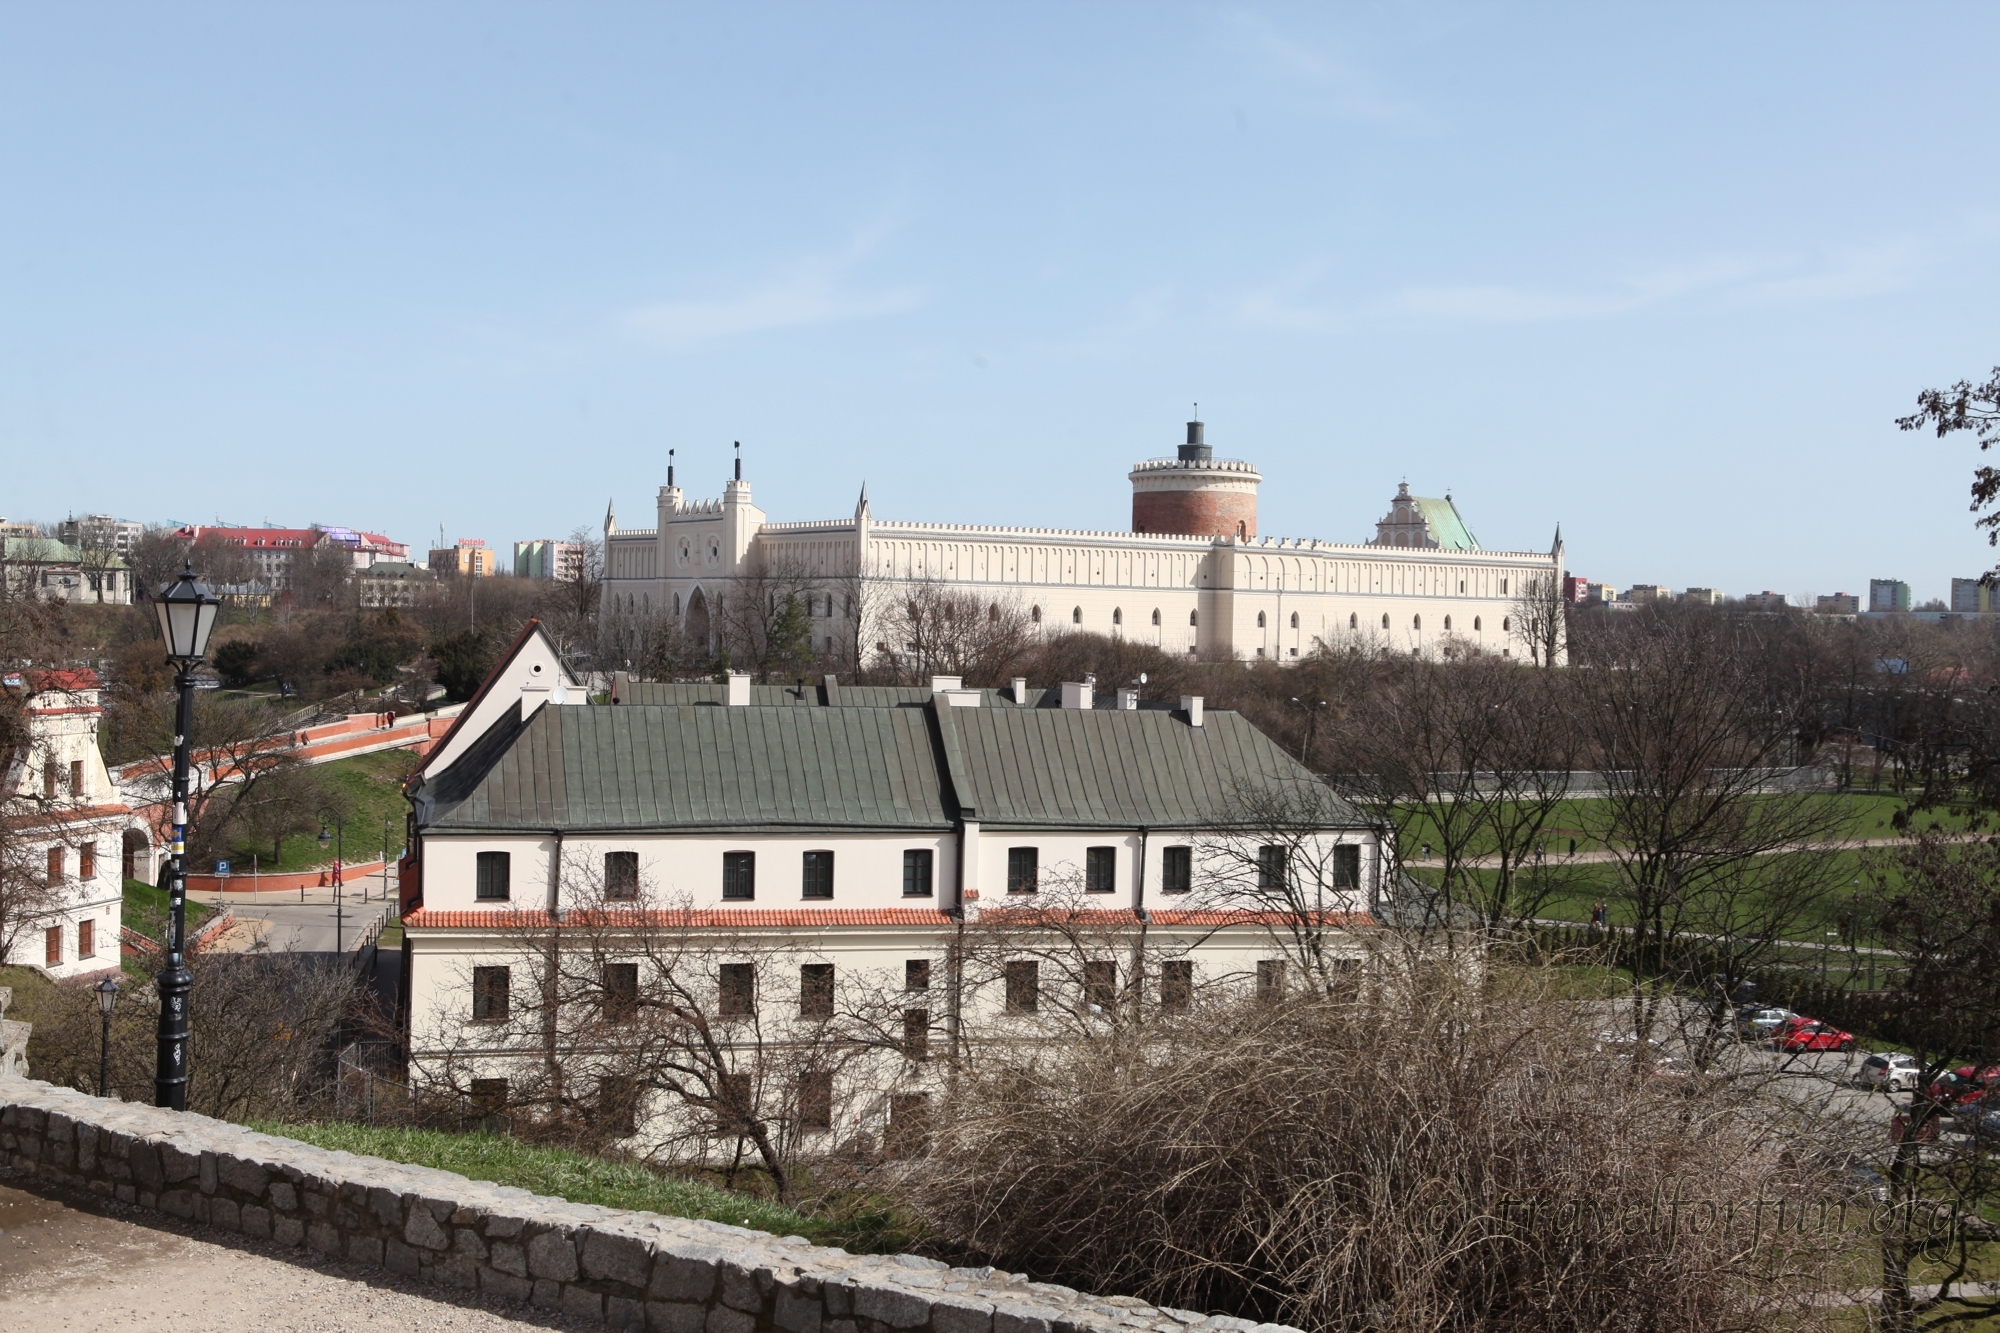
[(187, 612), (107, 995), (325, 838)]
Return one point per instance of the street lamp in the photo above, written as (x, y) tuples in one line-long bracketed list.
[(107, 1000), (338, 841), (187, 612)]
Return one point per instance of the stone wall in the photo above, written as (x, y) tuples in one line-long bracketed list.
[(629, 1269)]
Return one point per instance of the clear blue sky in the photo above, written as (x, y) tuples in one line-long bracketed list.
[(1664, 274)]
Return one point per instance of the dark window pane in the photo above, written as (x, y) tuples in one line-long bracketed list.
[(618, 1104), (909, 1124), (1270, 979), (737, 1101), (1023, 988), (1023, 869), (816, 1100), (1100, 869), (917, 874), (621, 992), (1176, 869), (816, 990), (818, 875), (621, 876), (1176, 983), (917, 974), (739, 990), (489, 994), (489, 1094), (917, 1033), (1270, 867), (492, 878), (739, 875), (1346, 867), (1100, 985)]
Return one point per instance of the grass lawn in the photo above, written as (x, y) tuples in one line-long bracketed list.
[(583, 1179), (145, 910), (370, 788)]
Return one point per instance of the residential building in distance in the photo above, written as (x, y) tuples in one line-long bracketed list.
[(1888, 595), (52, 568), (1602, 592), (562, 561), (1192, 574), (271, 550), (1703, 596), (392, 583), (366, 547), (67, 823), (1575, 590), (17, 528), (1971, 596), (1766, 601), (1838, 604), (101, 531), (470, 556), (1649, 592)]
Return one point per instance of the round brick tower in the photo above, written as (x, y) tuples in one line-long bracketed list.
[(1196, 494)]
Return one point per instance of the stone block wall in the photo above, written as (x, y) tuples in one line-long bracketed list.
[(631, 1270)]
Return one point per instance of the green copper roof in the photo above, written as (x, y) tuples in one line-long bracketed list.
[(1447, 528)]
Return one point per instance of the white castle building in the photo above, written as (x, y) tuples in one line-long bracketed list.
[(1193, 575)]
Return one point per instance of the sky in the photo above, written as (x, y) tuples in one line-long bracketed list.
[(1665, 275)]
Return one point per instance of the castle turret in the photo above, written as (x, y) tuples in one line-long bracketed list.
[(1195, 494)]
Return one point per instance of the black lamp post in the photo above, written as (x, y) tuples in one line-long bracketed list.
[(339, 842), (187, 612), (107, 1000)]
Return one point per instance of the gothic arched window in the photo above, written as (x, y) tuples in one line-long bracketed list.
[(1156, 615), (1076, 616), (1385, 620), (1506, 624), (1354, 620), (1117, 615), (1295, 620), (1447, 624), (993, 613), (1035, 615), (1192, 617), (1475, 624), (1260, 620), (1416, 622)]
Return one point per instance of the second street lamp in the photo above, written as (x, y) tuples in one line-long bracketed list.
[(339, 843), (187, 612), (107, 1000)]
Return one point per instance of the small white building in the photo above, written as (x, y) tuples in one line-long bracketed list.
[(63, 846)]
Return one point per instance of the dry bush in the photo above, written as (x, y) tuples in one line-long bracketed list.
[(1369, 1163)]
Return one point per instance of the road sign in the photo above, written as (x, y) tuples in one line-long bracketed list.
[(222, 867)]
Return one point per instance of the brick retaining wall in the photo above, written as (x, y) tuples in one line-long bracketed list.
[(631, 1270)]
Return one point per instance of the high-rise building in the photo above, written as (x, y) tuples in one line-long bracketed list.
[(470, 556), (1703, 596), (1888, 595), (1838, 604), (1971, 596), (1766, 601), (562, 561)]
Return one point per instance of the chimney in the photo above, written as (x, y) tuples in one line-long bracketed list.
[(1076, 695), (832, 686), (1021, 691), (1128, 700), (1191, 705), (939, 684), (739, 689)]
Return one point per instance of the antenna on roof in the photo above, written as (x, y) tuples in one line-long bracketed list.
[(739, 460), (670, 467)]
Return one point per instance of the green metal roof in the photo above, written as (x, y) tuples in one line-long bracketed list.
[(644, 692), (641, 767), (1447, 528)]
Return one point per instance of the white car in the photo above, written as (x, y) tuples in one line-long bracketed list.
[(1889, 1071), (1761, 1024)]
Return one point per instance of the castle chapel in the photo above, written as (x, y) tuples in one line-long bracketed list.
[(1193, 575)]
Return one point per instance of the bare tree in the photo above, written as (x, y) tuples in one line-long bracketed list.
[(932, 628), (1541, 617), (766, 617)]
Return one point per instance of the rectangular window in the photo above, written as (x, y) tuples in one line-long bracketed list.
[(489, 1094), (489, 994), (621, 992), (621, 876), (816, 990), (916, 1034), (76, 779), (1023, 987), (909, 1124), (817, 876), (739, 990), (51, 779), (52, 946), (1271, 867), (55, 865), (1100, 985), (917, 974), (86, 939), (1100, 869), (618, 1104), (86, 861), (1176, 869), (494, 870), (736, 1098), (1023, 869), (739, 876), (1270, 980), (1347, 867), (1176, 984), (816, 1099), (917, 873)]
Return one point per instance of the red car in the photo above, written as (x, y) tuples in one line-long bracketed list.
[(1809, 1034), (1964, 1085)]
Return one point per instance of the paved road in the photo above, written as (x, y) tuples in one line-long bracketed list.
[(307, 926), (71, 1261)]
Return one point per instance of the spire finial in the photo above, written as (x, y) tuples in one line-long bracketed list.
[(670, 467), (739, 460)]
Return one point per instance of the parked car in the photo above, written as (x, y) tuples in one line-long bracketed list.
[(1759, 1024), (1889, 1071), (1964, 1085), (1813, 1035)]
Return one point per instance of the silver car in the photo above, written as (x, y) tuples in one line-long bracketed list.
[(1761, 1024), (1889, 1071)]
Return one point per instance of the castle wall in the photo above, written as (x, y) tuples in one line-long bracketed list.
[(1195, 513)]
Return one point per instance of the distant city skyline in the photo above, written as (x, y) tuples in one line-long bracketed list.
[(1663, 277)]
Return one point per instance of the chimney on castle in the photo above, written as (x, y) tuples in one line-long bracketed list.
[(1196, 449)]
